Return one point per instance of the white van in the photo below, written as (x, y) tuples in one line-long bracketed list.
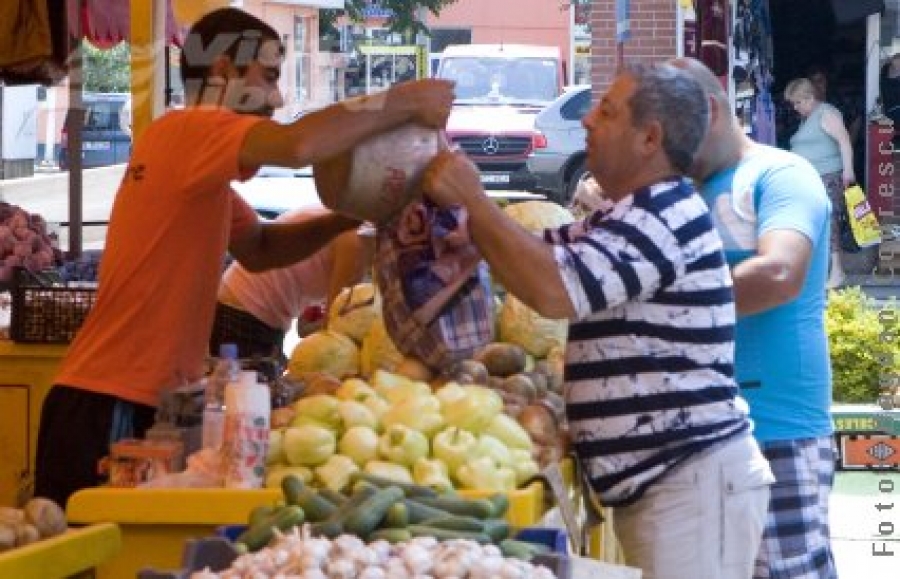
[(499, 90)]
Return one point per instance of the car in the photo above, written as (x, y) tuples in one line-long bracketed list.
[(274, 190), (557, 159), (499, 91), (105, 137)]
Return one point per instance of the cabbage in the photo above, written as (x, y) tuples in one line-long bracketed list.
[(535, 216), (325, 351), (378, 350), (521, 325), (353, 311)]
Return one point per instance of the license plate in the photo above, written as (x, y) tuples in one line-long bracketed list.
[(96, 145), (495, 178)]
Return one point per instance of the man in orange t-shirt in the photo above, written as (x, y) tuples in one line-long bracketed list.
[(174, 218)]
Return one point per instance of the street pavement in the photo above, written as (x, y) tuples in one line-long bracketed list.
[(47, 194)]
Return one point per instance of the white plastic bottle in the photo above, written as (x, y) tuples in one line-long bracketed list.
[(227, 370), (246, 439)]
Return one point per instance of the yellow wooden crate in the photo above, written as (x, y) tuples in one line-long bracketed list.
[(156, 523), (73, 552)]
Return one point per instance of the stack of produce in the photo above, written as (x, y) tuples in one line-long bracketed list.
[(381, 529), (400, 429), (24, 242), (39, 519)]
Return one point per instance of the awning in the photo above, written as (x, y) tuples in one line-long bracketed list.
[(107, 22)]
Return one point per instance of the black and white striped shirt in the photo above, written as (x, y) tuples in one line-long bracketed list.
[(649, 363)]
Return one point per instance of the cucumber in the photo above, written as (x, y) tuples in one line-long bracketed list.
[(497, 529), (333, 496), (478, 508), (365, 517), (259, 514), (291, 487), (333, 526), (418, 512), (501, 504), (410, 490), (455, 523), (395, 535), (447, 535), (259, 535), (316, 507), (397, 516), (330, 528), (522, 549)]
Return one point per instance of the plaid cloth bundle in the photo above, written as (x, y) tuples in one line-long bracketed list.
[(437, 301)]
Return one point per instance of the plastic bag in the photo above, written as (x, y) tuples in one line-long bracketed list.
[(380, 176), (437, 301), (863, 223)]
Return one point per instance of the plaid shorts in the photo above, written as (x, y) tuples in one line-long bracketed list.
[(796, 542)]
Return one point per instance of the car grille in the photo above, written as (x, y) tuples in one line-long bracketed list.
[(487, 146)]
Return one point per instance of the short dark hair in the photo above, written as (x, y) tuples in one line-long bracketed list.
[(671, 96), (223, 32)]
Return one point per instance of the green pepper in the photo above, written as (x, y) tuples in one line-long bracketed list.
[(402, 445), (432, 472), (454, 446), (336, 472)]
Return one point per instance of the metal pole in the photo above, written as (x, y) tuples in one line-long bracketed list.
[(74, 125)]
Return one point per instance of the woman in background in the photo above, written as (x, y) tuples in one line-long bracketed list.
[(823, 140)]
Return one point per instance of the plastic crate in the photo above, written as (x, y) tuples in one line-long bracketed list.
[(76, 551), (156, 523), (49, 314)]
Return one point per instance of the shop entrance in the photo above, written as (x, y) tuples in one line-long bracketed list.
[(806, 35)]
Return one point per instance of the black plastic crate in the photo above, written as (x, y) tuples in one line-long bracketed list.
[(45, 311)]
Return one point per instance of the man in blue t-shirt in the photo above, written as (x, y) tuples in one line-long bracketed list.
[(772, 213)]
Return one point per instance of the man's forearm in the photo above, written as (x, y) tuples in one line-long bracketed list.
[(282, 244), (521, 261), (760, 285)]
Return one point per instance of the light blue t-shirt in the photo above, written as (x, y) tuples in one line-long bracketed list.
[(781, 356)]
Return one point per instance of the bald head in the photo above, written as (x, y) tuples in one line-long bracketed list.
[(725, 139), (699, 71)]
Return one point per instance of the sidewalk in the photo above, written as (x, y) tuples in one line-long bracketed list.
[(859, 528)]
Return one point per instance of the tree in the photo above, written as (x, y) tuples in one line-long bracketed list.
[(107, 70), (404, 17)]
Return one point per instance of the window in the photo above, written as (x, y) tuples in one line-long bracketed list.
[(301, 61), (577, 106)]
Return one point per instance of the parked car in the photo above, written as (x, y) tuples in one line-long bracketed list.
[(558, 145), (106, 136), (499, 90), (274, 190)]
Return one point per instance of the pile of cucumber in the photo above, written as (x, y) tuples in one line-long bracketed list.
[(381, 509)]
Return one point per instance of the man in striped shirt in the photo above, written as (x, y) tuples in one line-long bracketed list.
[(653, 408)]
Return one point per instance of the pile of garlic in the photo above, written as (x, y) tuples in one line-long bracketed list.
[(299, 555)]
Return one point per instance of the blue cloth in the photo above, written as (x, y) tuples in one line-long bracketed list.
[(781, 355)]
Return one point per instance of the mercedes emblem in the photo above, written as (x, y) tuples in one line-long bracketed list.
[(490, 146)]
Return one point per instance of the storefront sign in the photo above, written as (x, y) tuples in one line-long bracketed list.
[(880, 172)]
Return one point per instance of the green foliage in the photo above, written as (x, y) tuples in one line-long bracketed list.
[(107, 70), (864, 339), (405, 18)]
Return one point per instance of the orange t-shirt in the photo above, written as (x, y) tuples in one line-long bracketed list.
[(171, 221)]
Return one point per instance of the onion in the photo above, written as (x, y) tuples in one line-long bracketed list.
[(540, 423)]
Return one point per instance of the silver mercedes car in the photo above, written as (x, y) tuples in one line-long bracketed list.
[(558, 146)]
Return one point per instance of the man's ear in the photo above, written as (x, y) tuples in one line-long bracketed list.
[(653, 137), (714, 111), (221, 68)]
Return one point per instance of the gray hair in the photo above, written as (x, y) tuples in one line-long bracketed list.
[(672, 97), (799, 88)]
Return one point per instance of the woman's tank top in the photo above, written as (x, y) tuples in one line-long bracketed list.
[(815, 145)]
